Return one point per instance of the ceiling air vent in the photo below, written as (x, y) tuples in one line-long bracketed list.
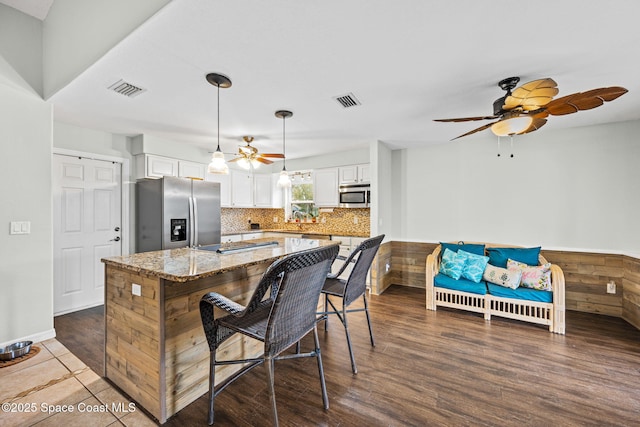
[(126, 89), (348, 100)]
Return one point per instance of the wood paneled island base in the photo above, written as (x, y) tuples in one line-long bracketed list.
[(155, 348)]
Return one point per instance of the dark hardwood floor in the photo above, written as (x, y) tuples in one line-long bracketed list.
[(429, 368)]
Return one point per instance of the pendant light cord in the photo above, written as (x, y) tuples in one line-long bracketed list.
[(218, 149), (284, 152)]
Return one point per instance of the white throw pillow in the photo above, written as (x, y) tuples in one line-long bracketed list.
[(533, 277), (502, 276)]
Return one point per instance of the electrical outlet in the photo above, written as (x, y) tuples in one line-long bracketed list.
[(387, 267), (355, 219), (136, 289), (275, 219), (611, 287)]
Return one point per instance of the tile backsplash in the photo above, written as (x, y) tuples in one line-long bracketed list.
[(340, 221)]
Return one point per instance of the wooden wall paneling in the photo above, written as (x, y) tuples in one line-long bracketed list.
[(408, 262), (631, 291), (586, 277), (380, 277), (132, 333)]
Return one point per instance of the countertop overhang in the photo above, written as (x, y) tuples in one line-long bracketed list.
[(186, 264)]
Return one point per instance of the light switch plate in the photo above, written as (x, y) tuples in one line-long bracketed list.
[(20, 227)]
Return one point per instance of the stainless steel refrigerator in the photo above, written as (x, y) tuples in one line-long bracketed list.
[(176, 213)]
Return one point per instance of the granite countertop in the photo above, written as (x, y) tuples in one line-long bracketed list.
[(186, 264), (305, 232)]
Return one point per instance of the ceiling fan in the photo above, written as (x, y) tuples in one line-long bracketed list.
[(526, 108), (249, 156)]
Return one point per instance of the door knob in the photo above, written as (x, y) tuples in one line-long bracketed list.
[(116, 239), (116, 229)]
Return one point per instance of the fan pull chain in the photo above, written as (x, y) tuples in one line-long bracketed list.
[(511, 146), (498, 146)]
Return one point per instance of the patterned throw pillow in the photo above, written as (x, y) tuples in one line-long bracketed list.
[(502, 276), (473, 265), (533, 277), (451, 264)]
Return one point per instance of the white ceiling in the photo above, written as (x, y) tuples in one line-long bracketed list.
[(36, 8), (407, 61)]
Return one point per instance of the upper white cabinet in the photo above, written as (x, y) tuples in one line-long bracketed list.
[(150, 166), (225, 187), (241, 189), (251, 190), (325, 187), (262, 191), (355, 174), (191, 169)]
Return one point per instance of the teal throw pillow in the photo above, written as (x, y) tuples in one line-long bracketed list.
[(474, 265), (451, 264), (499, 256), (473, 248)]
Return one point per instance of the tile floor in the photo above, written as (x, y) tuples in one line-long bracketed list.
[(38, 390)]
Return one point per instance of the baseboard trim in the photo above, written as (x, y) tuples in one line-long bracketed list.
[(40, 336)]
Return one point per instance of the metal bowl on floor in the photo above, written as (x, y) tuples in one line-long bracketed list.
[(14, 350)]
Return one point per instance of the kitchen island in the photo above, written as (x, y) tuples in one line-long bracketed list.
[(155, 348)]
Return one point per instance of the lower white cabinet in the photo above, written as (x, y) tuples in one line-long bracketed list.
[(347, 245), (231, 238), (252, 236)]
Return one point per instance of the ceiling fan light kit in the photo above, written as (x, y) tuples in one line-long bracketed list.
[(511, 126), (218, 164), (525, 108)]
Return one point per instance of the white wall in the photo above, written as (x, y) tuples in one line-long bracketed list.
[(572, 189), (381, 212), (341, 158), (21, 44), (26, 271), (79, 32)]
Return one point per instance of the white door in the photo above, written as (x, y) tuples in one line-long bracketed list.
[(86, 227)]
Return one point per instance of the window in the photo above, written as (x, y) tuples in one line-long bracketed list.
[(302, 205)]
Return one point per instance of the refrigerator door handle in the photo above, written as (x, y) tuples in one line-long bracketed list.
[(191, 239), (195, 222)]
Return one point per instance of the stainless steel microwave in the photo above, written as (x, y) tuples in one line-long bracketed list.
[(355, 195)]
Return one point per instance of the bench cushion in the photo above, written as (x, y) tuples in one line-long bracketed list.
[(463, 285), (527, 294)]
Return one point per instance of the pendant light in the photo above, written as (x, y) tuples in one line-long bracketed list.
[(218, 165), (284, 181)]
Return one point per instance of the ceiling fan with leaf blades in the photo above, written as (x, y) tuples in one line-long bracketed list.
[(525, 108), (248, 155)]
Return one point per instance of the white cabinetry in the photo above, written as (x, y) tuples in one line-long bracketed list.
[(249, 191), (347, 245), (262, 191), (325, 187), (241, 189), (231, 238), (190, 169), (355, 174), (152, 166), (225, 187)]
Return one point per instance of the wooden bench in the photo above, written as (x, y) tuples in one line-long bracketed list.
[(551, 314)]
